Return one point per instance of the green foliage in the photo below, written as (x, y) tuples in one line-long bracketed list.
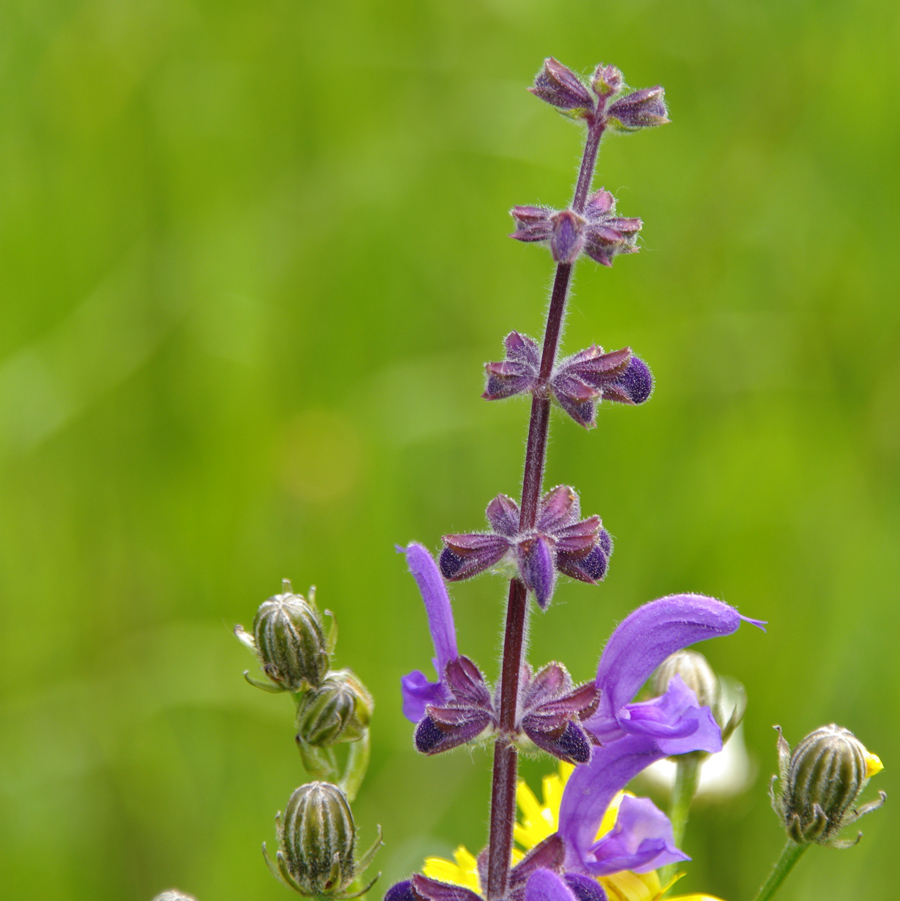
[(253, 257)]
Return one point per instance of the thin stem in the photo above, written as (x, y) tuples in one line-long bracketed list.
[(503, 786), (789, 856), (687, 775), (357, 764)]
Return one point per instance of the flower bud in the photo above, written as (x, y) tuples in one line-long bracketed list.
[(337, 711), (561, 87), (317, 843), (607, 80), (289, 641), (645, 108), (820, 784)]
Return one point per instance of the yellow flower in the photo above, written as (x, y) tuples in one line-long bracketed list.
[(537, 821)]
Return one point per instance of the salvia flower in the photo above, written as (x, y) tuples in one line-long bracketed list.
[(597, 231), (614, 105), (697, 674), (820, 783), (633, 735), (289, 640), (645, 108), (458, 707), (560, 542), (317, 844), (518, 373)]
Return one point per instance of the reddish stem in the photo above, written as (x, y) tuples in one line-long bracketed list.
[(503, 786)]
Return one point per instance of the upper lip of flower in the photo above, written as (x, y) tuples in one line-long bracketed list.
[(635, 734)]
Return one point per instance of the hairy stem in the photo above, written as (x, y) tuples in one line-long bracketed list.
[(503, 786), (789, 856)]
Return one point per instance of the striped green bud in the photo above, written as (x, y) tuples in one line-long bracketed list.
[(338, 710), (318, 839), (821, 781), (289, 641)]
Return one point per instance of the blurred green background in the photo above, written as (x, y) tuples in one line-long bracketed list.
[(252, 258)]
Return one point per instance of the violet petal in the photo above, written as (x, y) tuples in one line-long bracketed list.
[(437, 603), (592, 787), (675, 720), (641, 841), (418, 693), (644, 639)]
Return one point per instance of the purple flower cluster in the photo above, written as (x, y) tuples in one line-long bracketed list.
[(598, 725), (578, 383), (560, 542), (597, 231)]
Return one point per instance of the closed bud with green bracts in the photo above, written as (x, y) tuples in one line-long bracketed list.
[(820, 783), (289, 641), (317, 843), (338, 710)]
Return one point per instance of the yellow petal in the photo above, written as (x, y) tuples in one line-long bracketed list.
[(873, 764)]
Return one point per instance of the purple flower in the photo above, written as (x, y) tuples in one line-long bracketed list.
[(459, 706), (597, 231), (417, 690), (560, 541), (635, 735)]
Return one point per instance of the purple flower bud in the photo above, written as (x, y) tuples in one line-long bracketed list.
[(581, 381), (518, 372), (559, 542), (639, 109), (551, 712), (568, 238), (533, 223), (607, 80), (537, 568), (561, 87), (468, 555)]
